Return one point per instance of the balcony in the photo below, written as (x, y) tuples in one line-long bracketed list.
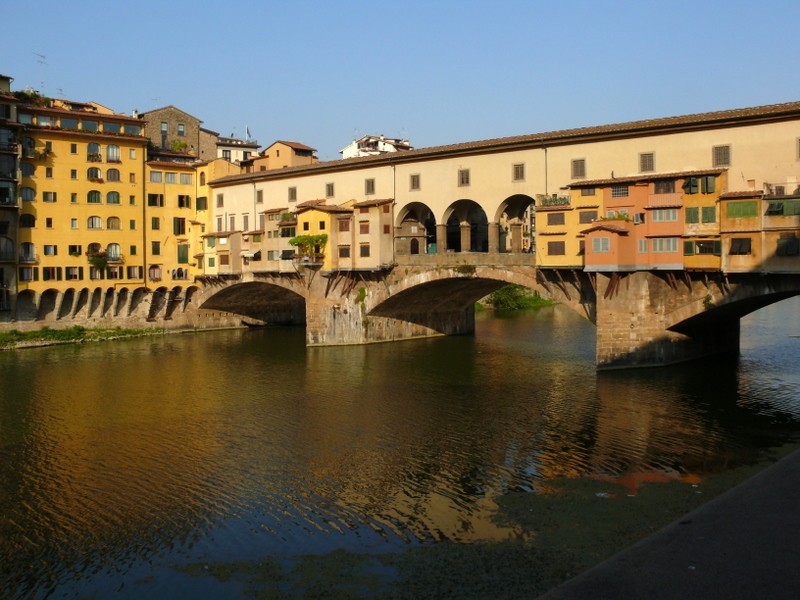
[(28, 259), (670, 200), (10, 147), (115, 259), (781, 190), (8, 257), (94, 157)]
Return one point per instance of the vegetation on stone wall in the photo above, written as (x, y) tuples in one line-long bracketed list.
[(309, 245), (45, 335)]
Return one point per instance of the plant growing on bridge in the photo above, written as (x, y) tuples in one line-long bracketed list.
[(309, 245)]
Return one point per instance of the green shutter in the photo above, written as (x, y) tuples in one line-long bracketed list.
[(717, 247), (688, 248), (183, 254), (708, 184), (692, 215), (709, 214)]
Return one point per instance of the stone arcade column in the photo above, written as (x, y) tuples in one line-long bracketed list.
[(441, 238), (466, 235), (494, 238)]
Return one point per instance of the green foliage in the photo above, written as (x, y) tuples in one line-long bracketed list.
[(309, 245), (465, 269), (32, 97), (516, 297), (98, 259), (178, 146), (362, 294), (70, 334)]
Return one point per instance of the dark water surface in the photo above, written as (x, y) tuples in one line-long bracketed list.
[(122, 461)]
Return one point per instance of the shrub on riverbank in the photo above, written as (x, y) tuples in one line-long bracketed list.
[(45, 335), (516, 297)]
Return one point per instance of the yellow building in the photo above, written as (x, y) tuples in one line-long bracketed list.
[(81, 228), (560, 218)]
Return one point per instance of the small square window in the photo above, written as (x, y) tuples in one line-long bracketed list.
[(519, 172)]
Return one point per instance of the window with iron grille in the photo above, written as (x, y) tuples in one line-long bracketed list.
[(578, 170), (519, 172), (463, 177), (619, 191), (369, 186), (414, 182), (647, 162), (721, 156)]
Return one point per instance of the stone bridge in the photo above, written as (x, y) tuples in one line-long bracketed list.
[(643, 318)]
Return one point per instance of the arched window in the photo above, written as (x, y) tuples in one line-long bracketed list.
[(27, 221), (414, 246), (28, 146), (93, 173), (112, 153), (94, 248), (114, 252), (94, 223), (94, 197), (154, 272), (112, 198), (27, 252), (28, 169), (202, 178), (28, 194), (113, 223), (93, 152), (112, 175)]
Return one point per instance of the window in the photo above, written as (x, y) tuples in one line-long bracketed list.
[(112, 153), (701, 247), (741, 246), (73, 173), (363, 227), (665, 215), (226, 154), (322, 225), (619, 191), (369, 186), (132, 225), (647, 162), (232, 222), (112, 198), (111, 127), (587, 216), (93, 152), (556, 218), (27, 220), (691, 185), (131, 153), (114, 252), (363, 250), (259, 196), (219, 224), (112, 175), (28, 273), (73, 148), (94, 223), (164, 127), (48, 222), (73, 223), (292, 194), (154, 272), (788, 245), (50, 250), (414, 182), (156, 176), (344, 225), (183, 254), (601, 244), (171, 178), (74, 273), (245, 222), (329, 190), (463, 177), (708, 183), (518, 172), (666, 186), (113, 223), (224, 259), (49, 196), (692, 215), (51, 273), (133, 272), (155, 199), (28, 169), (186, 179), (155, 223), (181, 129), (212, 261), (556, 248), (578, 170), (642, 246), (155, 248), (344, 251), (28, 194), (93, 174), (94, 197), (220, 201), (589, 191), (709, 214), (48, 172), (665, 244), (201, 203), (721, 156), (742, 210), (184, 201), (90, 125)]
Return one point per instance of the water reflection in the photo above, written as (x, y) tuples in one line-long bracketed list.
[(120, 457)]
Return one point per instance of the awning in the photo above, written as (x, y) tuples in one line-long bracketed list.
[(251, 253)]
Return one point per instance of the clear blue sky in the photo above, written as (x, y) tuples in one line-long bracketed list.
[(434, 71)]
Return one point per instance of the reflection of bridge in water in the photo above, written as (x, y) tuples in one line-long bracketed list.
[(643, 318)]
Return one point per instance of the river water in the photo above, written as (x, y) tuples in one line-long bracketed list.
[(121, 461)]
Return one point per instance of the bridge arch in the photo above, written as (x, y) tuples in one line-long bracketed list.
[(260, 301)]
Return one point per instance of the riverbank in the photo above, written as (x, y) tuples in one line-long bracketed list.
[(541, 557), (15, 339)]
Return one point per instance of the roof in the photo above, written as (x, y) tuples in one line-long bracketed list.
[(274, 210), (645, 177), (295, 145), (607, 226), (746, 194), (719, 119), (168, 106), (368, 203), (325, 208)]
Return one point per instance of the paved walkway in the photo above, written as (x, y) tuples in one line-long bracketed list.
[(743, 544)]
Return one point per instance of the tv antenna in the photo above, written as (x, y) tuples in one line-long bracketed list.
[(41, 58)]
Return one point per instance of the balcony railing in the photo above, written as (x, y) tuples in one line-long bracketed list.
[(7, 257), (27, 259), (674, 199)]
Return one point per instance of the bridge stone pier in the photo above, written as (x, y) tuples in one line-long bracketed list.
[(643, 318)]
